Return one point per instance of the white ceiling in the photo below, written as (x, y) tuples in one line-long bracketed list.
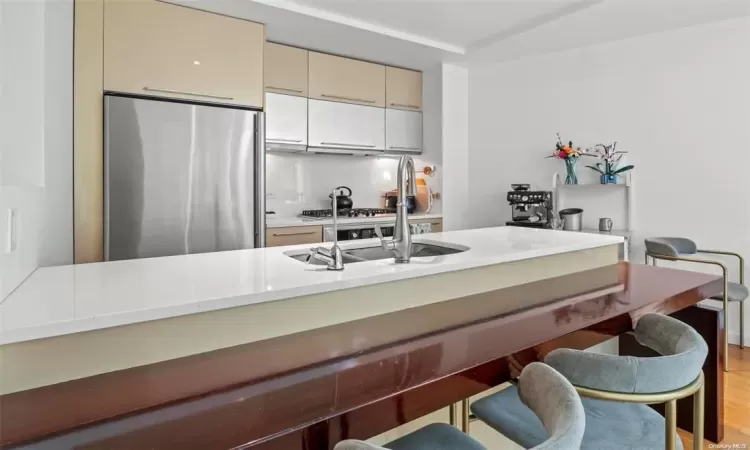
[(421, 33), (454, 23)]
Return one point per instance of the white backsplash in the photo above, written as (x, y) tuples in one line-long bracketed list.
[(297, 181)]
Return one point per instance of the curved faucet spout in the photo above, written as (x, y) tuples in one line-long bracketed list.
[(406, 174)]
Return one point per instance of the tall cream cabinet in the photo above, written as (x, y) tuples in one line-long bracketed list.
[(403, 89), (285, 69), (156, 48), (339, 79)]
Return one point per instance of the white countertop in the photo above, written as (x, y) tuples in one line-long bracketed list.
[(282, 222), (63, 300)]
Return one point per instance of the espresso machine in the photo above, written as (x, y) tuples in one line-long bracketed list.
[(530, 208)]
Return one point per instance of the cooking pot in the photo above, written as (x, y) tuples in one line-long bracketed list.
[(572, 219), (391, 199), (342, 201)]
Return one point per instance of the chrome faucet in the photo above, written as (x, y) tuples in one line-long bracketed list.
[(333, 257), (407, 185)]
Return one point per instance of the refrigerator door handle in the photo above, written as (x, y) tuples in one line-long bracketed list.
[(260, 180)]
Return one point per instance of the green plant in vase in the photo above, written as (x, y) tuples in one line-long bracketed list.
[(610, 160), (570, 155)]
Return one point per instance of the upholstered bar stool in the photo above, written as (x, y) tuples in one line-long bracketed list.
[(549, 395), (616, 390), (681, 249)]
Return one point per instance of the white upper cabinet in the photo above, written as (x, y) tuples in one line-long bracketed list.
[(286, 122), (403, 131), (346, 126), (156, 48)]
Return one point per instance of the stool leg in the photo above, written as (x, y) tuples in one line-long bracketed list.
[(699, 406), (452, 413), (726, 333), (742, 324), (670, 424), (465, 416)]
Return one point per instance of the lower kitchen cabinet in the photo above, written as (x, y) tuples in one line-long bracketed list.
[(279, 237)]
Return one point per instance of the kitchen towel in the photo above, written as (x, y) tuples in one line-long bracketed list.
[(421, 228)]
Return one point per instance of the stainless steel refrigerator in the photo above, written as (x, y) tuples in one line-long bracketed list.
[(181, 178)]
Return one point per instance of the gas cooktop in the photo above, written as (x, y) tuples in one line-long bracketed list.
[(353, 212)]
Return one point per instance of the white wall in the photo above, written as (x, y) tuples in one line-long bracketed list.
[(56, 242), (455, 144), (678, 101), (36, 66)]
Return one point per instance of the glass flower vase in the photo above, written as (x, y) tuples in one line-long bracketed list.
[(571, 177)]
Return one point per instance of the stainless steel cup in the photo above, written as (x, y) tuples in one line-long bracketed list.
[(605, 224)]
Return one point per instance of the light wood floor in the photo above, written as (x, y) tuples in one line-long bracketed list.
[(736, 401)]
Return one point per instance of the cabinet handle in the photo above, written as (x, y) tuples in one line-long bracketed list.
[(301, 233), (338, 97), (282, 140), (396, 147), (347, 145), (195, 94), (402, 105), (299, 91)]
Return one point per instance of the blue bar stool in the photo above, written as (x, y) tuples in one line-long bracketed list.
[(681, 249), (616, 390), (549, 395)]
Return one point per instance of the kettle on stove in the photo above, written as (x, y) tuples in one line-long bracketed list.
[(342, 201)]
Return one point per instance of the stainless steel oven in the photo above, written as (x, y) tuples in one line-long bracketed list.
[(353, 231)]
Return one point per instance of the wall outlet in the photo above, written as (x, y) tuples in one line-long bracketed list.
[(12, 238)]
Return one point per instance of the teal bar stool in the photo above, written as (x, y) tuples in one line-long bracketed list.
[(682, 249), (550, 397), (616, 391)]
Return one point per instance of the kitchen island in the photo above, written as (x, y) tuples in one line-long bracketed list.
[(105, 329), (364, 377), (112, 316)]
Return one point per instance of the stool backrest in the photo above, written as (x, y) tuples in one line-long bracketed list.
[(670, 246), (557, 404), (684, 352)]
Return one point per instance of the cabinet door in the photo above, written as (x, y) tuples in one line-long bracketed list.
[(277, 237), (346, 80), (285, 69), (155, 48), (403, 89), (403, 131), (286, 122), (341, 125)]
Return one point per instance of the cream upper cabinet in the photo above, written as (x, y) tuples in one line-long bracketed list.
[(285, 69), (156, 48), (403, 89), (338, 79)]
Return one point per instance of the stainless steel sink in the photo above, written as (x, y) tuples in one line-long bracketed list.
[(418, 249), (375, 252)]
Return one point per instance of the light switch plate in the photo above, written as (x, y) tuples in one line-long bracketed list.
[(12, 240)]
